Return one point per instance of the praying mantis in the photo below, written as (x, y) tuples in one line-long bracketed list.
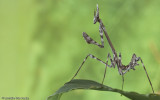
[(116, 61)]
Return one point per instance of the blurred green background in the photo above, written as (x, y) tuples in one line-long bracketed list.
[(41, 46)]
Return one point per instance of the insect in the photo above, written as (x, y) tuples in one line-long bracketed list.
[(122, 69)]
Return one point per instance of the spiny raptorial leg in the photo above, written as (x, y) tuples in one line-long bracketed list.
[(89, 40)]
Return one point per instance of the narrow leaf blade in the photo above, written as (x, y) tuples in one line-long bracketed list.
[(92, 85)]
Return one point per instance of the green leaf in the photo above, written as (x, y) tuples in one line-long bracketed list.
[(92, 85)]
